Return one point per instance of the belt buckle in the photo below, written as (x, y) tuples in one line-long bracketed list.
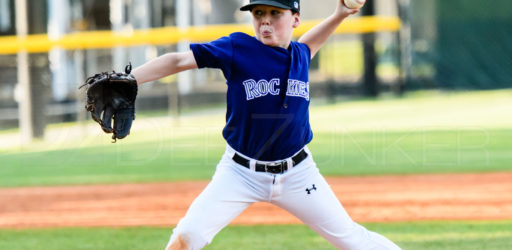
[(274, 167)]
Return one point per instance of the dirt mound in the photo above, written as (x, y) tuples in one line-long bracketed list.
[(367, 199)]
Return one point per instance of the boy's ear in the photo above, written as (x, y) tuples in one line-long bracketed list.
[(296, 20)]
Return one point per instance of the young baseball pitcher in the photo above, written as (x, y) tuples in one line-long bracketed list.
[(267, 129)]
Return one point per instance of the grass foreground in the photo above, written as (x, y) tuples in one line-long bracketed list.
[(414, 236)]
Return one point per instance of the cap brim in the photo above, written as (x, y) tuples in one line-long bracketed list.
[(270, 3)]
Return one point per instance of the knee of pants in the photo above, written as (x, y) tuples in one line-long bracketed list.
[(185, 239), (359, 238), (354, 237)]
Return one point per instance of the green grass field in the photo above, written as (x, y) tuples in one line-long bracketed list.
[(412, 236), (361, 153), (423, 132)]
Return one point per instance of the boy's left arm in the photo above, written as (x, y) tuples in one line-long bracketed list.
[(317, 36)]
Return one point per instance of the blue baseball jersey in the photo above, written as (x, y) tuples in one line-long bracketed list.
[(268, 97)]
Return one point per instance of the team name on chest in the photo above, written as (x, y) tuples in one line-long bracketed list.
[(256, 89)]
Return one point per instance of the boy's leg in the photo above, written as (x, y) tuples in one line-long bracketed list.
[(305, 193), (228, 194)]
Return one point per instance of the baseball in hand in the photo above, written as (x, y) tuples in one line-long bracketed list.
[(354, 4)]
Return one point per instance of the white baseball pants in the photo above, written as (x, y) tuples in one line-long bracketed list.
[(234, 188)]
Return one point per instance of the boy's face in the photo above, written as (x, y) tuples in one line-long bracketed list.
[(274, 26)]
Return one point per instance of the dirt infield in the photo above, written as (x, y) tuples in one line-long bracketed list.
[(367, 199)]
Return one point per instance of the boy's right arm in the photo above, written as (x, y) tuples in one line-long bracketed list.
[(162, 66)]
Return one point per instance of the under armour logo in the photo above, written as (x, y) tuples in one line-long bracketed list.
[(308, 190)]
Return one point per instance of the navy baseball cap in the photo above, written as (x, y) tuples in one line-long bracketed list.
[(293, 5)]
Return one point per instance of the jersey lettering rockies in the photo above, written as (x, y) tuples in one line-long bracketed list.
[(268, 96)]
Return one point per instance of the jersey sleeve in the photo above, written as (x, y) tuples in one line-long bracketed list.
[(215, 54), (305, 48)]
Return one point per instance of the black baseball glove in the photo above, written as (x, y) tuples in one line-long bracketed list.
[(111, 97)]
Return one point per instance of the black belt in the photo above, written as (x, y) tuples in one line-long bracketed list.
[(277, 167)]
